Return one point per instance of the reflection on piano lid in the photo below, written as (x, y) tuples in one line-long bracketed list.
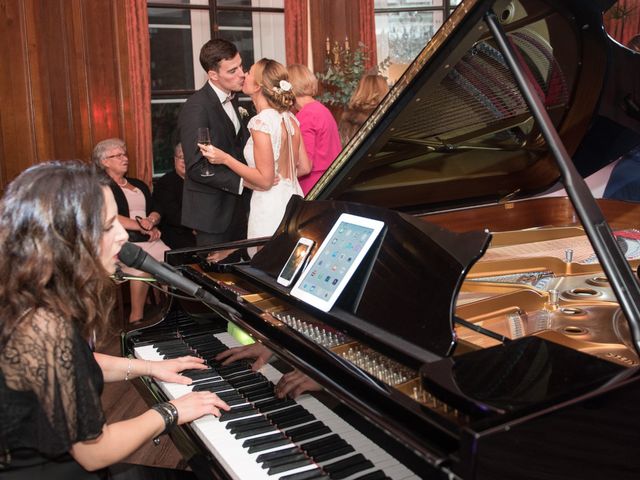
[(476, 364)]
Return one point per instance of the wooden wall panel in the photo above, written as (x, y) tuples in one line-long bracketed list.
[(16, 113), (67, 82)]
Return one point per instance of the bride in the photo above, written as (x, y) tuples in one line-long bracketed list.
[(275, 153)]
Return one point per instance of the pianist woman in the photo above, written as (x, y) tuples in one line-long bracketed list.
[(59, 240)]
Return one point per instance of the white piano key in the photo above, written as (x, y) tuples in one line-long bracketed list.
[(240, 464)]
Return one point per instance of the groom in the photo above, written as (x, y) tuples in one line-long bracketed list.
[(217, 206)]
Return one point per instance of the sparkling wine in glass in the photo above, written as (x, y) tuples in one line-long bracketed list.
[(204, 138)]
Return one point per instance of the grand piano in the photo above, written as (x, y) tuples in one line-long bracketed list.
[(488, 334)]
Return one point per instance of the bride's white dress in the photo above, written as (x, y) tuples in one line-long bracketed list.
[(267, 208)]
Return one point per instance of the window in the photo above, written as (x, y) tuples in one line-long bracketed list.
[(178, 28), (403, 28)]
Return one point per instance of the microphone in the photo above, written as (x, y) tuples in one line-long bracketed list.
[(133, 256)]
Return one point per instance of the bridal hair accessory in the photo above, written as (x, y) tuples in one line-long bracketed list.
[(243, 112), (284, 87)]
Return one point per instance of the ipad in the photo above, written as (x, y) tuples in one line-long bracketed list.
[(296, 261), (336, 260)]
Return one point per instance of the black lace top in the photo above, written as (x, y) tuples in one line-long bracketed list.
[(50, 386)]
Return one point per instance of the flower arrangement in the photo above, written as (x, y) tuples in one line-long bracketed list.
[(343, 70)]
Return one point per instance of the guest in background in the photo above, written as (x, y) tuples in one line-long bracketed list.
[(59, 241), (368, 94), (135, 213), (317, 125), (167, 198)]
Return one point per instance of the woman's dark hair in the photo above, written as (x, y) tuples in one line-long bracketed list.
[(51, 226)]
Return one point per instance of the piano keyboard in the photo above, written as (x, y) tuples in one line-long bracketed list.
[(287, 440)]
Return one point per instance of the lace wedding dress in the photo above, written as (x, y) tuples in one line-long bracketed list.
[(267, 208)]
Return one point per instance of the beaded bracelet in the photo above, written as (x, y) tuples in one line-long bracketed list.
[(128, 374)]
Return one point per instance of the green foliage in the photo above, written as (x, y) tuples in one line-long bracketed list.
[(343, 70)]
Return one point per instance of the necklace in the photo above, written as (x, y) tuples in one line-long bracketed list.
[(123, 184)]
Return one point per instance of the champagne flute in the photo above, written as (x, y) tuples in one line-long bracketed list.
[(204, 138)]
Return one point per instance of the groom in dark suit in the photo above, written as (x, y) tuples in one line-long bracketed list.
[(216, 206)]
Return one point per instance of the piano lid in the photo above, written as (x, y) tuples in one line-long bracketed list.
[(455, 129)]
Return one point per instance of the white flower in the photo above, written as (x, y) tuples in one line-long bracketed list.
[(284, 85), (243, 112)]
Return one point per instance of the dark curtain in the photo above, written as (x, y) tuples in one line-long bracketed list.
[(296, 35), (367, 30), (139, 72)]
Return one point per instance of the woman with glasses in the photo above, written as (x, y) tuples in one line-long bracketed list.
[(135, 213)]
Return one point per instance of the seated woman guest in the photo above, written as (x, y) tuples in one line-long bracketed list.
[(135, 213), (368, 94), (59, 241), (317, 125)]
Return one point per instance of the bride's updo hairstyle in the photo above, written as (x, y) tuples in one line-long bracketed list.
[(273, 78)]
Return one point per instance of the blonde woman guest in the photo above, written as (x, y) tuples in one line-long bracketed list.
[(275, 151), (368, 94), (135, 213), (319, 128)]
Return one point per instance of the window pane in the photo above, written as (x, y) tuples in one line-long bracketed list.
[(408, 3), (174, 34), (164, 120), (402, 35), (256, 35)]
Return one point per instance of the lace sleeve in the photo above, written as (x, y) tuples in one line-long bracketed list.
[(261, 124), (48, 357)]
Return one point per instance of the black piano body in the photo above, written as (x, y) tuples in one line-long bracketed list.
[(475, 347)]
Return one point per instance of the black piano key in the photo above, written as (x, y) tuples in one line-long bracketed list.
[(347, 467), (285, 461), (305, 432), (377, 475), (260, 440), (315, 474), (268, 445), (256, 397), (230, 395), (255, 388), (321, 442), (255, 431), (277, 454), (201, 374), (296, 421), (235, 401), (287, 412), (177, 354), (274, 404), (214, 387), (237, 412), (289, 466), (331, 453), (251, 427), (234, 368), (246, 421)]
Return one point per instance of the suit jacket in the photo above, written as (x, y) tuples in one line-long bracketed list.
[(212, 204), (167, 199)]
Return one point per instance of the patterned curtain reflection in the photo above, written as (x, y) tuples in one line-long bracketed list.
[(622, 21)]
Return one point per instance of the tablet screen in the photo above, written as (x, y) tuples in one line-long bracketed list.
[(336, 260)]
